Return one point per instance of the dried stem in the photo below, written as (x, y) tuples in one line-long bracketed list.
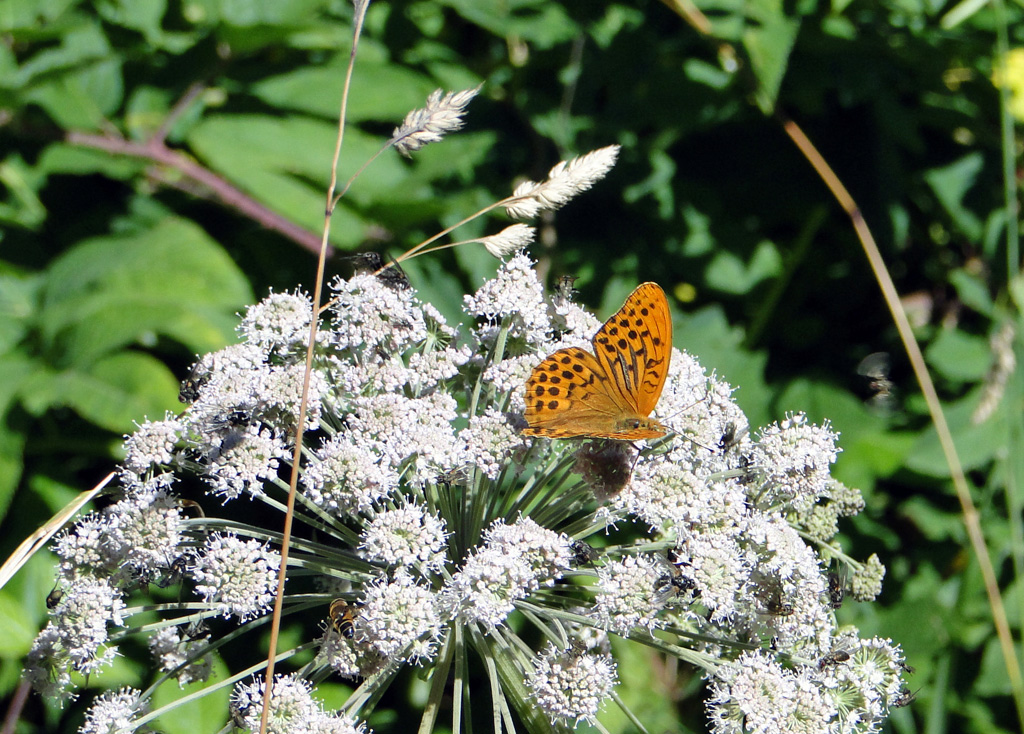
[(275, 625)]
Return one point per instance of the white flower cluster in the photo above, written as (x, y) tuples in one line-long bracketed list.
[(510, 562), (433, 513), (184, 653), (113, 711), (850, 689), (570, 686), (236, 577), (77, 636), (293, 710)]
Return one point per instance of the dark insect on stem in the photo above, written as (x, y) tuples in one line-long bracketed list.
[(673, 583), (836, 590), (905, 698), (54, 597), (565, 286), (191, 386), (583, 553), (833, 658), (390, 274), (174, 572)]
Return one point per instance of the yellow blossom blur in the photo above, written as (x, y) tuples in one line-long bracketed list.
[(1010, 74)]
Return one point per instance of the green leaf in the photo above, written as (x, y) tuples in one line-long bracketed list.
[(922, 622), (708, 335), (768, 42), (112, 291), (55, 495), (77, 45), (729, 274), (437, 286), (82, 100), (870, 455), (333, 694), (79, 83), (976, 445), (15, 371), (23, 605), (957, 355), (994, 238), (113, 392), (973, 291), (961, 12), (123, 671), (936, 525), (699, 239), (73, 159), (656, 184), (711, 75), (12, 464), (837, 25), (203, 715), (382, 90), (22, 207), (275, 159), (146, 111), (248, 13), (951, 184), (21, 15), (1016, 290), (477, 262), (459, 157), (144, 16), (543, 24), (19, 296), (644, 689), (617, 19)]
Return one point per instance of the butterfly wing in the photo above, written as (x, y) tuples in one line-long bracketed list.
[(634, 348), (570, 395)]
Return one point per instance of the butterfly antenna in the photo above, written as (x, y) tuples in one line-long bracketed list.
[(698, 401), (694, 441)]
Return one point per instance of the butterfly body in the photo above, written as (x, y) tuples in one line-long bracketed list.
[(610, 393)]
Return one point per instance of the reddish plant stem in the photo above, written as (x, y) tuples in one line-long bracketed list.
[(156, 151)]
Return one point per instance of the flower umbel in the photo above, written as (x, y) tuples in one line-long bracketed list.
[(437, 523), (292, 709), (113, 711), (571, 686), (236, 577), (430, 530)]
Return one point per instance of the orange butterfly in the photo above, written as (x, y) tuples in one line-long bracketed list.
[(574, 393)]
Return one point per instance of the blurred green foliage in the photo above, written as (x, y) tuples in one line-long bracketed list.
[(117, 265)]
